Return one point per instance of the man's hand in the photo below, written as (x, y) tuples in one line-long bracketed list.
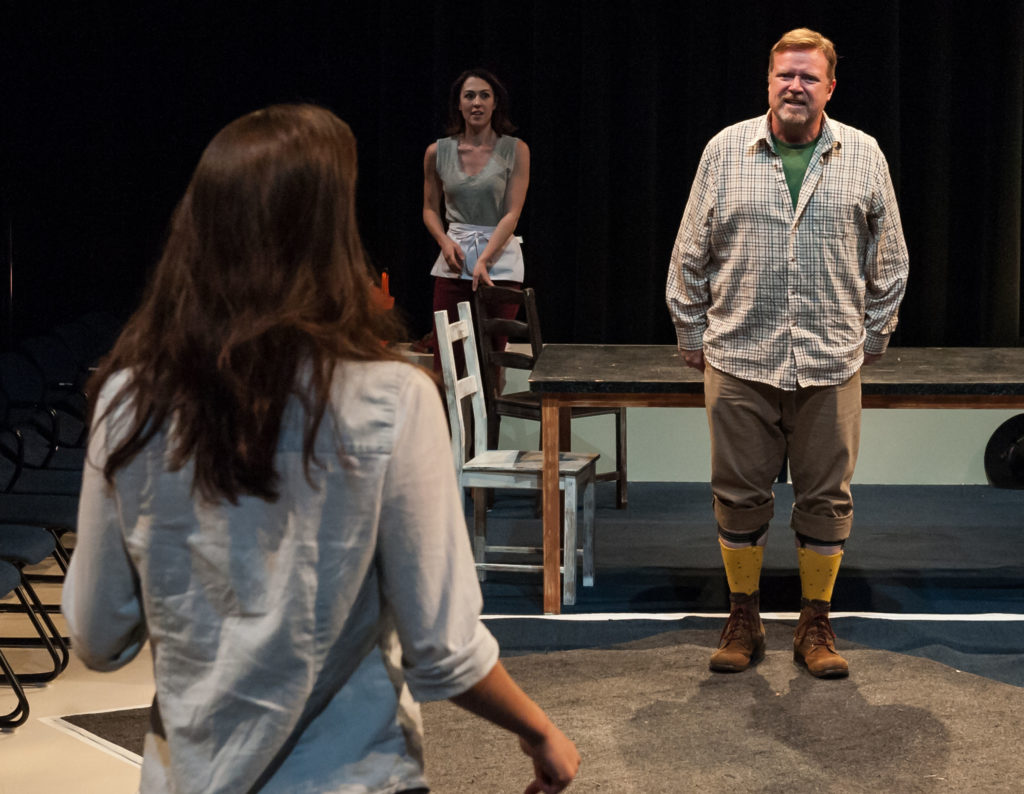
[(871, 358), (693, 358)]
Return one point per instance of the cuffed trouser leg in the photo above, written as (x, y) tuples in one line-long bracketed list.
[(753, 426), (822, 425), (747, 449)]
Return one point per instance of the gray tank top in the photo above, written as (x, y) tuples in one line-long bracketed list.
[(477, 199)]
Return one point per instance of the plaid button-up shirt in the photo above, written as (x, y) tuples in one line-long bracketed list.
[(782, 295)]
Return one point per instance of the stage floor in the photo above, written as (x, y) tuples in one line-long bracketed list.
[(930, 613)]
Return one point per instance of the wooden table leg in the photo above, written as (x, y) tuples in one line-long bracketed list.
[(552, 517)]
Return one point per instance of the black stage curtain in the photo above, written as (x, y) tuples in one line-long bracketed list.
[(106, 108)]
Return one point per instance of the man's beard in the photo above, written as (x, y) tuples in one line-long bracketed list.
[(793, 114)]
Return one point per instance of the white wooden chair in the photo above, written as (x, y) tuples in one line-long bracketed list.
[(508, 468)]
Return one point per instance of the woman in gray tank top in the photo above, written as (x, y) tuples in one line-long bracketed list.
[(482, 173)]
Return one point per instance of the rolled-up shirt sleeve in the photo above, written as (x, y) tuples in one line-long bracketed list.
[(101, 600), (428, 577)]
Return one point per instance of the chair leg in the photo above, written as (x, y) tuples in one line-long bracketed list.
[(480, 528), (19, 714), (569, 544), (60, 551), (62, 558), (52, 634), (588, 533), (622, 483), (48, 636), (493, 431)]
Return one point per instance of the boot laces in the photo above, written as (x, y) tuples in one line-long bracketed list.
[(739, 626), (819, 630)]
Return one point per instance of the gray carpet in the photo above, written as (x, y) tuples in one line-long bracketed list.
[(649, 717)]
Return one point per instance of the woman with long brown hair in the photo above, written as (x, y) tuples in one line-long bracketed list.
[(269, 498)]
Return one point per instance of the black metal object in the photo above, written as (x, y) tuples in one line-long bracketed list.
[(1004, 454)]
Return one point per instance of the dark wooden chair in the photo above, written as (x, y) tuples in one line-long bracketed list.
[(526, 404)]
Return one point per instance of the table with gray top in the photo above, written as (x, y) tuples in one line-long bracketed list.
[(655, 376)]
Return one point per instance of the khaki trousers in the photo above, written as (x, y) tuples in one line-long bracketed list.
[(754, 426)]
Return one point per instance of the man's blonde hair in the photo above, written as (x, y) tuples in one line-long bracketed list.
[(805, 39)]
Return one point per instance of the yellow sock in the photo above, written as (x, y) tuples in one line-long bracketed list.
[(818, 573), (742, 567)]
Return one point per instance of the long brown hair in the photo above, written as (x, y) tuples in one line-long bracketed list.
[(500, 121), (262, 287)]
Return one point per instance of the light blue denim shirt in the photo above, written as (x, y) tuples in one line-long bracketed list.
[(294, 629)]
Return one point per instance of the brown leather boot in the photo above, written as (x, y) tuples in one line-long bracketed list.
[(742, 640), (814, 642)]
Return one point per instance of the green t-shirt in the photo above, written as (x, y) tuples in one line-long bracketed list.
[(795, 159)]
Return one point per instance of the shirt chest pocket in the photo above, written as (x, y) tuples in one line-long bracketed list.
[(839, 208)]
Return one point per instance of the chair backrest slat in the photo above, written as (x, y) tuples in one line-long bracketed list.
[(458, 331), (466, 387), (512, 360), (446, 351), (459, 389), (513, 329), (473, 371)]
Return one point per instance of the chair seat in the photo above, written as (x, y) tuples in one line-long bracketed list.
[(25, 545), (517, 461), (10, 577)]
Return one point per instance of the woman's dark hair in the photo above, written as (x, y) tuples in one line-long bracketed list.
[(262, 287), (500, 121)]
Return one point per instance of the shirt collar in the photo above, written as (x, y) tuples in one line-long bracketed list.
[(831, 136)]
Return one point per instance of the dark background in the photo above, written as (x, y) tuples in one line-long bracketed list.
[(106, 107)]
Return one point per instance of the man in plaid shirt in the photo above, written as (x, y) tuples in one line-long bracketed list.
[(786, 276)]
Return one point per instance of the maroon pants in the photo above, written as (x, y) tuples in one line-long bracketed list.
[(449, 293)]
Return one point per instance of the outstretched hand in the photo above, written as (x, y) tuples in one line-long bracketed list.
[(555, 762), (497, 698)]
